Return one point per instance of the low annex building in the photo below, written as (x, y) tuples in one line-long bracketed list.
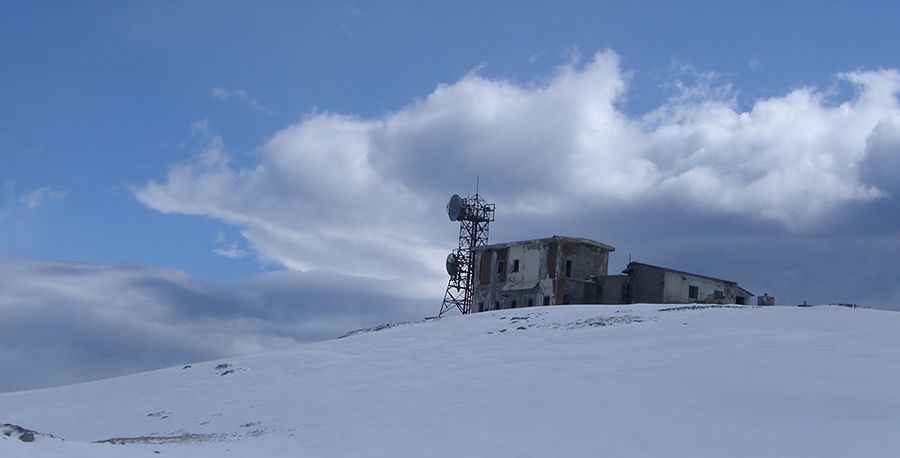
[(570, 270), (649, 284)]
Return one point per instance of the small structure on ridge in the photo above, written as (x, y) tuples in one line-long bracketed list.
[(571, 270)]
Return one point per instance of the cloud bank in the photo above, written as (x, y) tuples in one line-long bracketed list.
[(64, 322), (795, 194), (365, 196)]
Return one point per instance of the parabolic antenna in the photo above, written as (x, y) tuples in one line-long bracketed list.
[(474, 216), (452, 265), (455, 207)]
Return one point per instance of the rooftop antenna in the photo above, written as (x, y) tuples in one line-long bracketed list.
[(474, 215)]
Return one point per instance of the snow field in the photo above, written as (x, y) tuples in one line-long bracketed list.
[(620, 381)]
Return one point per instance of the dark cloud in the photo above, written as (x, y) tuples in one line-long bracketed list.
[(882, 164), (795, 194), (66, 322)]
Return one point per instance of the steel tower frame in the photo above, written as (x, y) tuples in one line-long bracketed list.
[(474, 227)]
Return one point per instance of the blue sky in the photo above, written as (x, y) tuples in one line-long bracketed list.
[(101, 96), (102, 102)]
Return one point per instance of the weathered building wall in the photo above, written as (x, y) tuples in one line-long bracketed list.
[(505, 283), (653, 284), (615, 289), (580, 267), (550, 271), (646, 284), (529, 266), (566, 270), (678, 285)]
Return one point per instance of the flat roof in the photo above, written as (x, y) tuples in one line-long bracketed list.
[(547, 239), (730, 282), (681, 272)]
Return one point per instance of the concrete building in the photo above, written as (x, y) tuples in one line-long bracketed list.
[(570, 270), (646, 283), (549, 271)]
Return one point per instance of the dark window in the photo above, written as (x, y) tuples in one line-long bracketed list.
[(546, 300), (484, 267), (530, 302), (481, 306), (513, 305), (739, 300), (693, 292), (501, 266), (568, 268), (565, 299), (515, 265), (496, 305), (718, 294)]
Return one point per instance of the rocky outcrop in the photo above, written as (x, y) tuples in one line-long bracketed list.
[(18, 432)]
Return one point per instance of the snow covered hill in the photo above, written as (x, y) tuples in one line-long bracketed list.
[(616, 381)]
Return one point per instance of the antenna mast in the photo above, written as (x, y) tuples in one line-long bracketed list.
[(474, 215)]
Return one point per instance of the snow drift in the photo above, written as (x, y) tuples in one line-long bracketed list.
[(622, 381)]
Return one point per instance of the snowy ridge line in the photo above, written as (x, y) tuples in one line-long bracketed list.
[(704, 307), (381, 327), (854, 306), (624, 381), (158, 440)]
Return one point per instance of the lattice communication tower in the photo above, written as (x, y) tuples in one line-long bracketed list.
[(474, 215)]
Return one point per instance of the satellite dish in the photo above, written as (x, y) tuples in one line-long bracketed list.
[(455, 208), (452, 265)]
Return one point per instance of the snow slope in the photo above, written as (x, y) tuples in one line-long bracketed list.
[(617, 381)]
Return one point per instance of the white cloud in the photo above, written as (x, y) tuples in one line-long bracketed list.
[(221, 93), (228, 249), (882, 165), (365, 196), (316, 205), (36, 198), (64, 322)]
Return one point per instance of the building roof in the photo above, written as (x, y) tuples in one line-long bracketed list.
[(547, 239), (730, 282)]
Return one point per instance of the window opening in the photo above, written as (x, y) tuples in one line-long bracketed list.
[(693, 292)]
